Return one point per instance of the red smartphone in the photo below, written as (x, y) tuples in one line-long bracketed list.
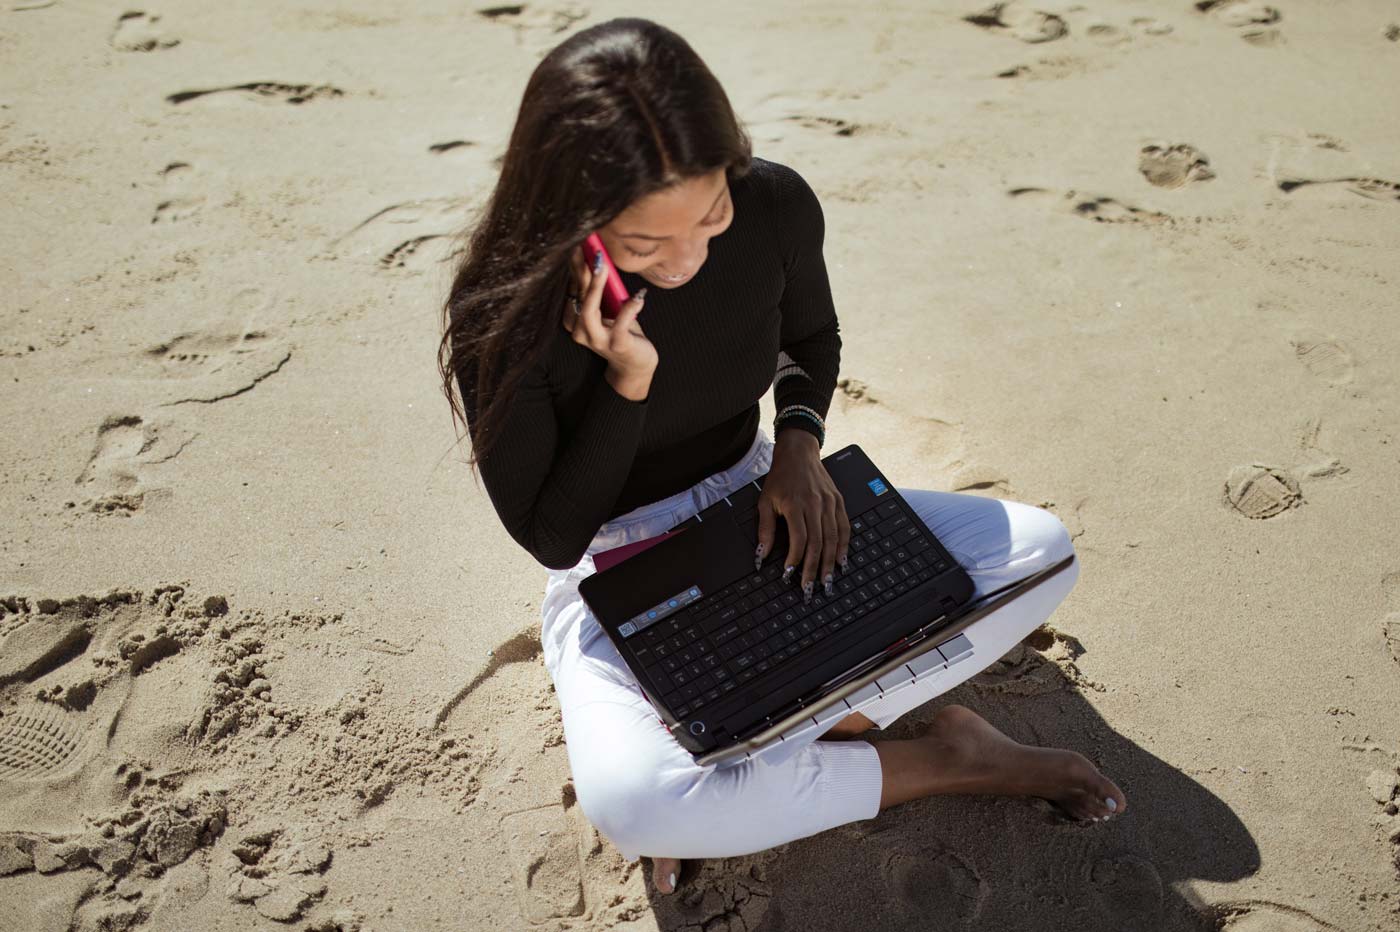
[(614, 292)]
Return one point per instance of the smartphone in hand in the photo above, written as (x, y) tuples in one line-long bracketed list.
[(614, 292)]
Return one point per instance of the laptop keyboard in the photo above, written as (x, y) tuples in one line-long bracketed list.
[(699, 654)]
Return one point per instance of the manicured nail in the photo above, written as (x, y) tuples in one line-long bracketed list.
[(845, 565), (1111, 803), (758, 558), (826, 584), (787, 572), (806, 592), (641, 294), (597, 263), (673, 883)]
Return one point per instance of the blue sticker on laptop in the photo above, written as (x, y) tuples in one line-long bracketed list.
[(878, 486)]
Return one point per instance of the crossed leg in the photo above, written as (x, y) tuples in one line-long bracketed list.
[(658, 799)]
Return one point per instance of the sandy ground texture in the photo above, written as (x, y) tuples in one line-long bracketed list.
[(267, 659)]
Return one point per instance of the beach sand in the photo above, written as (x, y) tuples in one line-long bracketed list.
[(268, 659)]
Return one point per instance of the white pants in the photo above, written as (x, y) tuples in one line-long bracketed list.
[(645, 792)]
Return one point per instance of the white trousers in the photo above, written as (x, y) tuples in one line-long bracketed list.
[(643, 791)]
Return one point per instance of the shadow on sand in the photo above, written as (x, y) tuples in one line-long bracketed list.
[(965, 862)]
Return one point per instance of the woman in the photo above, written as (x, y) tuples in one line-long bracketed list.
[(591, 433)]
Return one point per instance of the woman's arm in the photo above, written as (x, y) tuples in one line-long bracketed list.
[(810, 337), (554, 489)]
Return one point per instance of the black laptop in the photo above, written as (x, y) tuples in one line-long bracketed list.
[(723, 651)]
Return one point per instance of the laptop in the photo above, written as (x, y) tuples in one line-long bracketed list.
[(732, 659)]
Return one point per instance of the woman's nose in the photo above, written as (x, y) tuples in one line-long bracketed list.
[(687, 258)]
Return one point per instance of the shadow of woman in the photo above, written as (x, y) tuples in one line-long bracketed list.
[(964, 862)]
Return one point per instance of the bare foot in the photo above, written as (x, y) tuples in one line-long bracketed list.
[(964, 753), (664, 873)]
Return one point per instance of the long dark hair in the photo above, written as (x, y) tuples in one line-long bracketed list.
[(614, 113)]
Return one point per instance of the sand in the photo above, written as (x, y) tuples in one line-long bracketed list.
[(268, 660)]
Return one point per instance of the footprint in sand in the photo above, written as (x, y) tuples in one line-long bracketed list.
[(277, 870), (1044, 662), (1315, 161), (179, 200), (210, 365), (1239, 13), (1172, 166), (264, 91), (67, 670), (504, 725), (514, 668), (1129, 891), (1053, 68), (1390, 632), (1251, 17), (120, 675), (1260, 491), (1020, 22), (771, 116), (534, 24), (932, 443), (1374, 189), (1263, 916), (935, 889), (122, 472), (1100, 32), (143, 852), (1384, 787), (140, 32), (1325, 358), (1092, 207), (414, 236), (542, 845), (978, 479)]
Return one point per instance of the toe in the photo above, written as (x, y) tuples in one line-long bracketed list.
[(664, 872)]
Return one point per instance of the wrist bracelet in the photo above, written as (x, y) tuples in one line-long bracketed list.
[(810, 414)]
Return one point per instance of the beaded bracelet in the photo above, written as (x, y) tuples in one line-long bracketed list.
[(802, 411)]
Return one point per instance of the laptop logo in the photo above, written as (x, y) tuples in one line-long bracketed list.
[(878, 486)]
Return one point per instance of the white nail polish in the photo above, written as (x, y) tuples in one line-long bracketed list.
[(1111, 803), (673, 883)]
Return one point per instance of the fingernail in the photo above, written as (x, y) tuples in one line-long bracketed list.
[(673, 883), (787, 572), (806, 592), (826, 584), (1111, 803), (597, 263), (641, 294), (845, 565)]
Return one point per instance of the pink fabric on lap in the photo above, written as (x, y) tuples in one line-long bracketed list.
[(606, 558)]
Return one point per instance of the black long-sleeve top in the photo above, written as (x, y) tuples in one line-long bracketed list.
[(572, 453)]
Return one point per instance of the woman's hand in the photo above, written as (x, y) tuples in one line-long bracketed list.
[(631, 356), (800, 489)]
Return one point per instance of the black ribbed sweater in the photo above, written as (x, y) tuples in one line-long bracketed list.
[(572, 453)]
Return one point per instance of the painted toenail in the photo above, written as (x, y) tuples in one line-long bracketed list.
[(1111, 803)]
